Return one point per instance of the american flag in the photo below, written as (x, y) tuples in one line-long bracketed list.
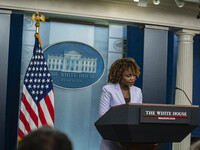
[(37, 102)]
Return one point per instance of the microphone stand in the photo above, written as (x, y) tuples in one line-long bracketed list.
[(184, 94)]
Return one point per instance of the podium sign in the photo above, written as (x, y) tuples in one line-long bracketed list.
[(163, 114)]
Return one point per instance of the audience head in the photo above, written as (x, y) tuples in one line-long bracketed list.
[(45, 138)]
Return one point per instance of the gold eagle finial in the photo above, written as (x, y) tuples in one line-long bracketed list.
[(37, 17)]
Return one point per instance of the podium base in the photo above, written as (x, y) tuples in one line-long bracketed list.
[(140, 146)]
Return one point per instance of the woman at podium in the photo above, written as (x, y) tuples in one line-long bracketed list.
[(119, 90)]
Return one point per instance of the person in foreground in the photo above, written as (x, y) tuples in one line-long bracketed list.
[(121, 90), (45, 138)]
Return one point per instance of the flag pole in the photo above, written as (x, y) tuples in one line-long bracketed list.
[(37, 102), (37, 17)]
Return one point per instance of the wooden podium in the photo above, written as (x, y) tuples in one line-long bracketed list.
[(147, 126)]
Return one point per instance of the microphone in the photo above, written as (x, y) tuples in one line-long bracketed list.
[(185, 94)]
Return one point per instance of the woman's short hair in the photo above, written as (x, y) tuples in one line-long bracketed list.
[(118, 67), (45, 138)]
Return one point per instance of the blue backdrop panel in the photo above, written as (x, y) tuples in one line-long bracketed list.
[(135, 49), (196, 79), (171, 67), (13, 84)]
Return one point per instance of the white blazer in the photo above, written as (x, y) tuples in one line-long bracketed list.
[(112, 96)]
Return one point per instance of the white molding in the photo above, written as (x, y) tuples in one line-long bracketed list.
[(5, 12), (156, 27), (186, 31)]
